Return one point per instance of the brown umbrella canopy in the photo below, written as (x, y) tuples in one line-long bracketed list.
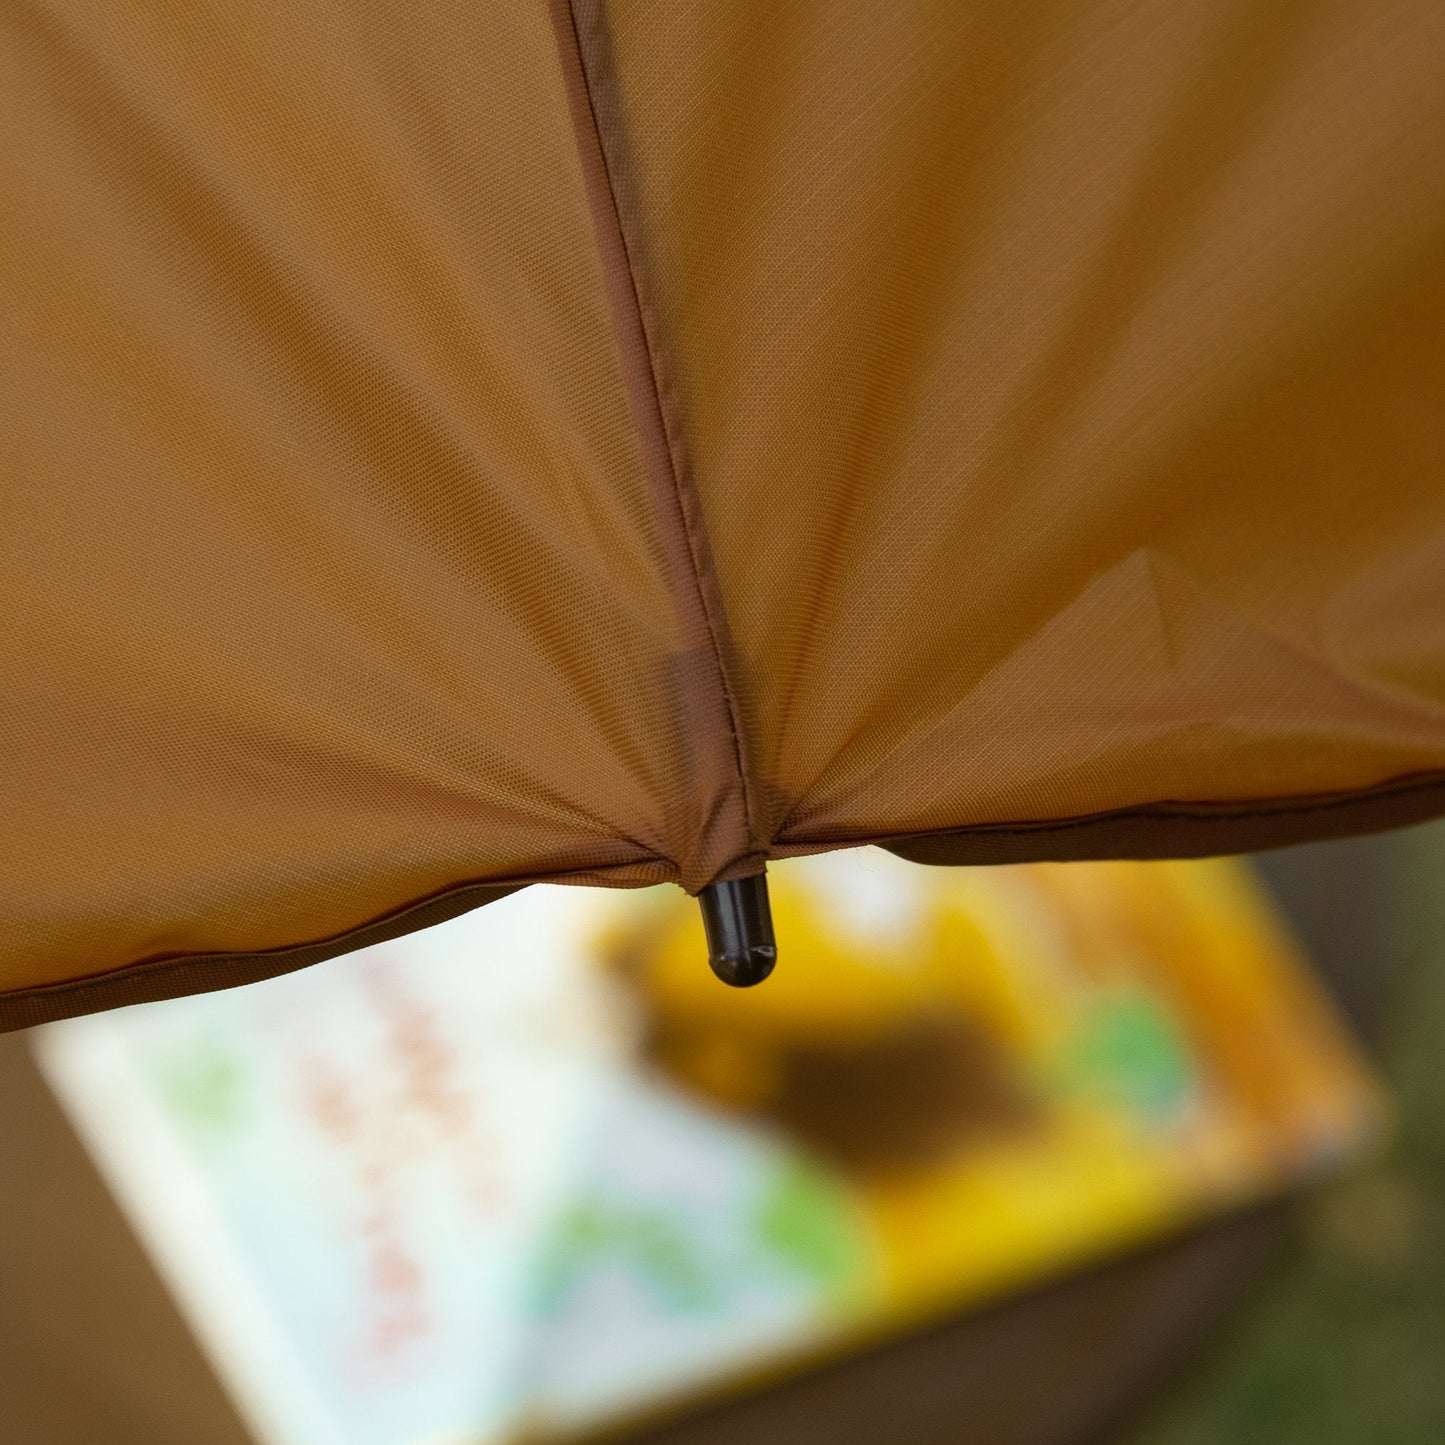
[(451, 445)]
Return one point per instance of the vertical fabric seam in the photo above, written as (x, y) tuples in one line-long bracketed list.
[(629, 313)]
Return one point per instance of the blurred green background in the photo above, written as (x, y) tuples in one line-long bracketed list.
[(1343, 1343)]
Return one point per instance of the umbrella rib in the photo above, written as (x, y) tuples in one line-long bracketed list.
[(730, 845)]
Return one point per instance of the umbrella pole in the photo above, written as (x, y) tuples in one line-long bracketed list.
[(738, 921)]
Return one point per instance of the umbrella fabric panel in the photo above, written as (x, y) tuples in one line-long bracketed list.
[(1064, 391), (334, 580)]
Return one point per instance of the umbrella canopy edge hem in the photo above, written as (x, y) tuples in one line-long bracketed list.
[(175, 977), (1181, 830)]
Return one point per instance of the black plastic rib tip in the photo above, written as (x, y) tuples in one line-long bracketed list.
[(739, 925)]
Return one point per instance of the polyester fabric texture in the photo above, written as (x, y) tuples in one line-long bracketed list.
[(458, 445)]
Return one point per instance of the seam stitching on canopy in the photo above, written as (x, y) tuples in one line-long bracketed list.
[(661, 447)]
